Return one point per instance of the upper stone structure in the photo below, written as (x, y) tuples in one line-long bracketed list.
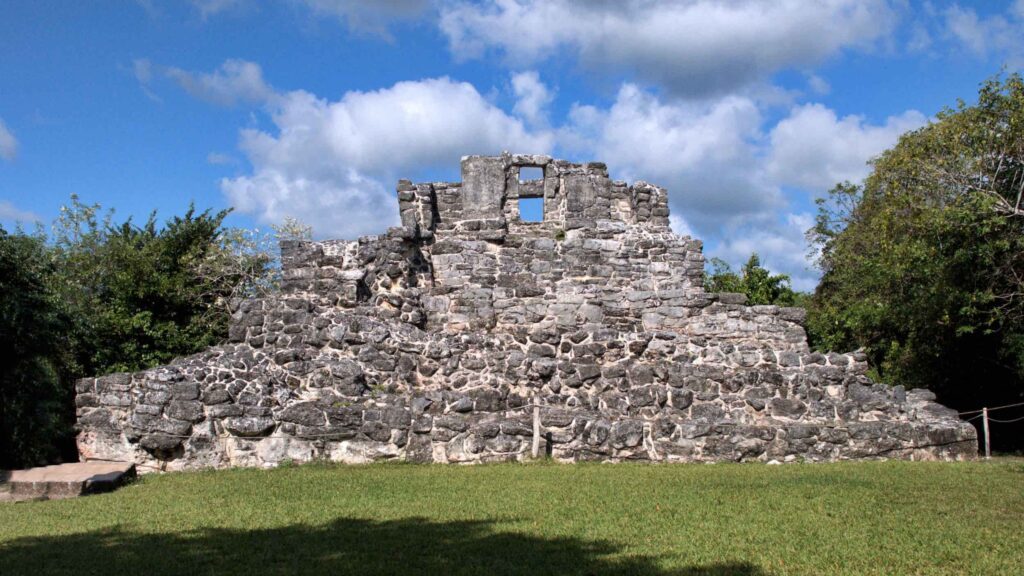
[(433, 343)]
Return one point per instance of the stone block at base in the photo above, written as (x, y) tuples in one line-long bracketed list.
[(68, 480)]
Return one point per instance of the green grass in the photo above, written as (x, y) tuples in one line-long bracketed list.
[(851, 518)]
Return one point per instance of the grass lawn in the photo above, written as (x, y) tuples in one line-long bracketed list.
[(849, 518)]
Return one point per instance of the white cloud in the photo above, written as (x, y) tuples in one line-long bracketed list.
[(363, 15), (724, 173), (209, 8), (815, 149), (8, 143), (705, 153), (371, 16), (532, 98), (920, 39), (220, 159), (332, 163), (780, 245), (11, 213), (695, 47), (996, 34), (143, 71), (234, 81), (148, 7), (680, 226), (818, 84)]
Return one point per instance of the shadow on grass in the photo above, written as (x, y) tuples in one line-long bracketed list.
[(346, 546)]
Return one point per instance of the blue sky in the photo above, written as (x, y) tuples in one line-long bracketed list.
[(745, 110)]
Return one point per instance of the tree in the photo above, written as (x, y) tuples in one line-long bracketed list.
[(99, 297), (757, 282), (35, 358), (923, 263), (143, 295)]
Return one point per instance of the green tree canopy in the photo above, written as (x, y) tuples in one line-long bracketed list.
[(137, 299), (923, 263), (99, 297), (757, 282), (35, 349)]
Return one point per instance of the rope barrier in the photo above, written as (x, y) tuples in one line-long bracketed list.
[(1006, 421), (991, 409)]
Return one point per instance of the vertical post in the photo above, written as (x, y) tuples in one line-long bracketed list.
[(984, 424), (536, 428)]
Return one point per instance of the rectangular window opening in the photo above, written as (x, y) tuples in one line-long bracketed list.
[(531, 209), (530, 174)]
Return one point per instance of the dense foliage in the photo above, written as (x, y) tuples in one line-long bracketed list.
[(757, 282), (100, 297), (924, 262), (34, 360)]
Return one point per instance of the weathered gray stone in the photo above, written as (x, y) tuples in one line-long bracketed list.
[(216, 394), (185, 391), (249, 426), (627, 433), (99, 419), (185, 410), (160, 442), (434, 340), (305, 413), (787, 408)]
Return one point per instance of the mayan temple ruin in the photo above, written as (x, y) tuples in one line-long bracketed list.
[(470, 335)]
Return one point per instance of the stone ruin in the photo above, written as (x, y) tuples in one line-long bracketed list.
[(436, 341)]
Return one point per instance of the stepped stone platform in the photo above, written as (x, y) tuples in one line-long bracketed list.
[(434, 342), (65, 480)]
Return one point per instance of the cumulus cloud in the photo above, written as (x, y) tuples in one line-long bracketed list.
[(920, 39), (142, 69), (818, 84), (11, 213), (220, 159), (814, 149), (8, 143), (780, 245), (209, 8), (532, 97), (370, 16), (679, 225), (234, 81), (705, 153), (327, 162), (997, 34), (724, 166), (332, 163), (694, 47)]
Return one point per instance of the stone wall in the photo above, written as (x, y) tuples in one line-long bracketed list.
[(432, 342)]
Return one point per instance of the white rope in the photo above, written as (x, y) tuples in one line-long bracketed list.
[(991, 409), (1006, 421)]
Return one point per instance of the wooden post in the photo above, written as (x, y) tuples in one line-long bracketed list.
[(984, 425), (536, 428)]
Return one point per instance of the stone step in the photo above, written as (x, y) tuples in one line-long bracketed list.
[(67, 480)]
